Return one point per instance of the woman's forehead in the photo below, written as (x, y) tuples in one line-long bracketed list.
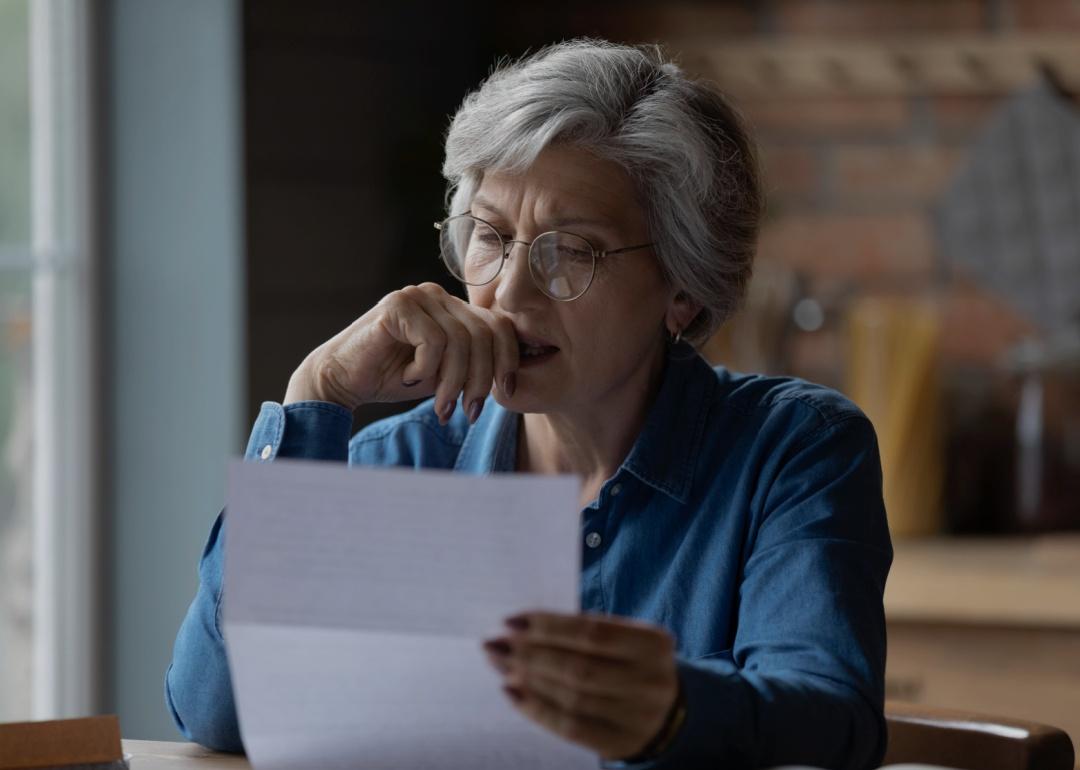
[(564, 183)]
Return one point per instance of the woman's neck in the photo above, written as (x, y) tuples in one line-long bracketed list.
[(594, 439)]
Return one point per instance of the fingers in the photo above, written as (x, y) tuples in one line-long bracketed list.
[(617, 638), (506, 352), (456, 353), (609, 739), (615, 711), (587, 673), (523, 664), (481, 358), (417, 341), (420, 330), (499, 349), (614, 702), (589, 731), (471, 348)]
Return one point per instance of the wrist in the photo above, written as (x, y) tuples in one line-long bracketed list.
[(667, 734), (304, 386), (300, 389)]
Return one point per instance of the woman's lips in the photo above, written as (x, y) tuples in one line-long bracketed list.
[(534, 356), (534, 350), (532, 353)]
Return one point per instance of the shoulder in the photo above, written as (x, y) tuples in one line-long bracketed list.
[(783, 410), (413, 438), (764, 393), (806, 454), (795, 440)]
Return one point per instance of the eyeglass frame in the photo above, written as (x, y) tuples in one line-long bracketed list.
[(508, 245)]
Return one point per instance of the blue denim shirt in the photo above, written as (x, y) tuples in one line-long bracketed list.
[(747, 520)]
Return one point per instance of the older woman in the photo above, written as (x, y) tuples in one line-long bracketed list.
[(603, 214)]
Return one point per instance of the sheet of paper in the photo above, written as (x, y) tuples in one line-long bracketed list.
[(355, 602)]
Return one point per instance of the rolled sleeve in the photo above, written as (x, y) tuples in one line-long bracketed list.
[(198, 689), (312, 430), (804, 683)]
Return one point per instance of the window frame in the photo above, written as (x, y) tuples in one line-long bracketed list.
[(66, 512)]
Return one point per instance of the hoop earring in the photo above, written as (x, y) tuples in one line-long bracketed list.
[(676, 337)]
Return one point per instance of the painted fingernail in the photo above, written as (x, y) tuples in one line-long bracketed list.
[(509, 383), (474, 410), (518, 623), (447, 410), (515, 694), (497, 647), (411, 383)]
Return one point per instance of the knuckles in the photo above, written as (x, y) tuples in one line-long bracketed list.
[(488, 326), (398, 301), (427, 290), (456, 333), (411, 293), (484, 335)]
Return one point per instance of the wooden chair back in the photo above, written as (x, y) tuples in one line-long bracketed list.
[(961, 739)]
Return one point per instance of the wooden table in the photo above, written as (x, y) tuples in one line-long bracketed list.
[(162, 755), (989, 625)]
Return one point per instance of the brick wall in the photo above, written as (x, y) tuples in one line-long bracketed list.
[(346, 102), (851, 181)]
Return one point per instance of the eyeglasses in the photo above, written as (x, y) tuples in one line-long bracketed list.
[(562, 264)]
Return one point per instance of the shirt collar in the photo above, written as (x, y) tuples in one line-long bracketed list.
[(663, 454), (490, 446)]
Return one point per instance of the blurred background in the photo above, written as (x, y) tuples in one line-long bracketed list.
[(195, 194)]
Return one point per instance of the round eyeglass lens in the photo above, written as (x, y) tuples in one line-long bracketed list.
[(562, 265), (471, 249)]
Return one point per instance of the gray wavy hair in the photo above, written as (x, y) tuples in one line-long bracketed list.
[(682, 143)]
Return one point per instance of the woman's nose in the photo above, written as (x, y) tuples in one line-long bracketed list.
[(508, 246), (515, 283)]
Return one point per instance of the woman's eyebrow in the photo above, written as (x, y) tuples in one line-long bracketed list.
[(565, 221), (484, 203), (557, 221)]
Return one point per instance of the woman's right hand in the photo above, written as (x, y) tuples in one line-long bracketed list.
[(415, 342)]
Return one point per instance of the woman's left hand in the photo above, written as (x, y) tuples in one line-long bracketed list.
[(604, 682)]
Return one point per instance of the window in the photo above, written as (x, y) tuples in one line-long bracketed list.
[(48, 599)]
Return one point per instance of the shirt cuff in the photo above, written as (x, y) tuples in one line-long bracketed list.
[(708, 694), (311, 430)]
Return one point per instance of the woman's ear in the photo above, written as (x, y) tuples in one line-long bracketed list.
[(681, 313)]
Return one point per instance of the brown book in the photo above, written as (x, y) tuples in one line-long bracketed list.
[(91, 743)]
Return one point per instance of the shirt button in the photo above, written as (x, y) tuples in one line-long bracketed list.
[(593, 540), (616, 489), (266, 452)]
